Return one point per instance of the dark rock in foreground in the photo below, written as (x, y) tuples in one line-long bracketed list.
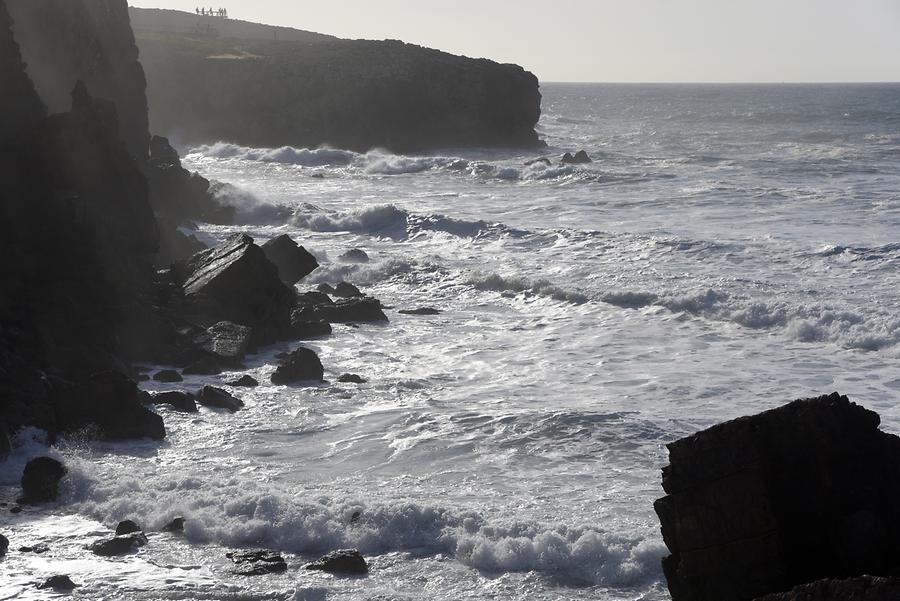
[(420, 311), (40, 480), (210, 396), (118, 545), (4, 545), (244, 381), (256, 563), (346, 289), (863, 588), (304, 330), (293, 262), (207, 366), (300, 365), (317, 306), (168, 376), (761, 504), (59, 582), (342, 561), (178, 400)]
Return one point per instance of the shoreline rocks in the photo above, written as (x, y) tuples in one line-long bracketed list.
[(300, 365), (342, 561), (40, 480), (292, 261), (256, 562), (764, 503)]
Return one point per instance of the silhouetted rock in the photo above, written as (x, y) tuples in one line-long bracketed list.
[(207, 366), (60, 582), (580, 158), (176, 399), (176, 525), (345, 289), (298, 366), (351, 379), (354, 255), (540, 160), (37, 549), (167, 375), (127, 527), (111, 403), (342, 561), (210, 396), (356, 309), (256, 563), (234, 281), (6, 446), (863, 588), (420, 311), (40, 480), (118, 545), (4, 545), (244, 381), (354, 94), (228, 342), (761, 504), (293, 262)]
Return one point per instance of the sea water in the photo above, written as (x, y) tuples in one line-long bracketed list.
[(729, 249)]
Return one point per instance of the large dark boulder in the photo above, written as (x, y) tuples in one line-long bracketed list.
[(342, 561), (293, 261), (863, 588), (118, 545), (256, 562), (4, 545), (177, 400), (40, 480), (59, 582), (300, 365), (317, 306), (761, 504), (210, 396), (234, 281), (110, 403)]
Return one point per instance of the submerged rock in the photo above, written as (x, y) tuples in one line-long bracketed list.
[(354, 255), (420, 311), (256, 563), (40, 480), (118, 545), (244, 381), (357, 309), (176, 525), (178, 400), (59, 582), (293, 261), (580, 158), (210, 396), (300, 365), (763, 503), (351, 379), (38, 549), (342, 561)]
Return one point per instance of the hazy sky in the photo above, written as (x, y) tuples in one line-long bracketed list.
[(620, 40)]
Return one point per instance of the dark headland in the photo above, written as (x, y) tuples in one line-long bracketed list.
[(210, 78)]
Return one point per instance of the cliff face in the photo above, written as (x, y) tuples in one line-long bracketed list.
[(64, 41), (351, 94), (19, 103)]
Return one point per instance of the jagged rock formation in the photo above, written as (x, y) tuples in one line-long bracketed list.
[(354, 94), (764, 503), (864, 588)]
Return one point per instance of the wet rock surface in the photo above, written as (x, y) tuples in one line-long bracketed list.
[(293, 261), (210, 396), (299, 365), (168, 376), (244, 381), (764, 503), (60, 582), (227, 342), (351, 379), (420, 311), (863, 588), (257, 562), (40, 480), (118, 545), (177, 400), (127, 527), (176, 525), (342, 561)]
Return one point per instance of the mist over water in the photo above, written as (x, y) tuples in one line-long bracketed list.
[(730, 248)]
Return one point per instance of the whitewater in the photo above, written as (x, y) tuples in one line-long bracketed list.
[(731, 248)]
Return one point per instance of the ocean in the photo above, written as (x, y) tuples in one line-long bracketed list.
[(729, 249)]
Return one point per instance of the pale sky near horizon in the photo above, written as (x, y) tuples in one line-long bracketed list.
[(620, 40)]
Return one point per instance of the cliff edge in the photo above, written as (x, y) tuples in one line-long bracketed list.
[(209, 79)]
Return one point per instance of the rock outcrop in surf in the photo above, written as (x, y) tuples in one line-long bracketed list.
[(354, 94), (761, 504)]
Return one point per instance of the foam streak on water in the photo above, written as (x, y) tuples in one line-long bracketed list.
[(731, 248)]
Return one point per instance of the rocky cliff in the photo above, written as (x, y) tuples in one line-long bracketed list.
[(356, 94), (761, 504)]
